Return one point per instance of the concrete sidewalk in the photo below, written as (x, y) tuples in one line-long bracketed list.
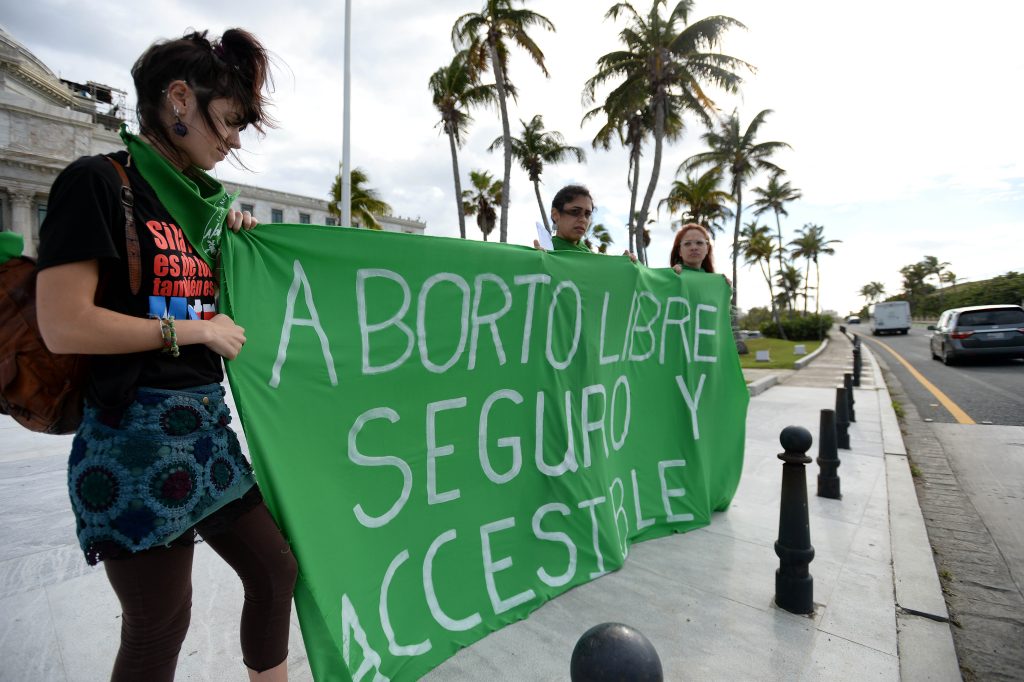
[(703, 598)]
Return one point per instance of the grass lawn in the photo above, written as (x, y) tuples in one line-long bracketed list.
[(780, 352)]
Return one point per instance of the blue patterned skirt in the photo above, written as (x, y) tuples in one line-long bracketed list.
[(146, 477)]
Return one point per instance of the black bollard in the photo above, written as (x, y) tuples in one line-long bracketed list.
[(794, 586), (842, 419), (857, 364), (613, 651), (848, 385), (828, 457)]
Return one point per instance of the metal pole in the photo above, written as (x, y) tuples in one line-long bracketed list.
[(828, 457), (851, 413), (346, 165), (842, 419), (794, 586)]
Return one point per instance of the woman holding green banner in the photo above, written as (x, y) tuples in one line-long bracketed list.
[(127, 276), (692, 250), (571, 210)]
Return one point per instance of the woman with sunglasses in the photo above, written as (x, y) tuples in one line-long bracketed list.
[(154, 463), (571, 213)]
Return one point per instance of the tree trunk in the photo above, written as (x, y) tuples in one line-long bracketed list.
[(633, 232), (771, 293), (499, 81), (735, 241), (543, 215), (659, 134), (778, 229), (775, 309), (807, 282), (817, 287), (458, 187)]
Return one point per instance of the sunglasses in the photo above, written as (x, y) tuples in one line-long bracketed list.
[(577, 212)]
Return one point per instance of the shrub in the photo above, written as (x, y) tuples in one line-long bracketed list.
[(755, 318), (809, 327)]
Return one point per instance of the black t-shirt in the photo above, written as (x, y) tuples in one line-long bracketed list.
[(85, 221)]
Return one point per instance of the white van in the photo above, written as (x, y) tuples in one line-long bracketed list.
[(892, 317)]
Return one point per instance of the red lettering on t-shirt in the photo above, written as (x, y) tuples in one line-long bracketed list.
[(158, 238), (160, 265), (174, 237)]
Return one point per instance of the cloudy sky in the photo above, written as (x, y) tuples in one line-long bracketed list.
[(903, 115)]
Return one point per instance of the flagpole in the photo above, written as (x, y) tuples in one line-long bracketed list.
[(346, 170)]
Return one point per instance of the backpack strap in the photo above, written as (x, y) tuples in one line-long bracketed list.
[(131, 237)]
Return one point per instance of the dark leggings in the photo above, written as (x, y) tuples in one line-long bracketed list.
[(155, 590)]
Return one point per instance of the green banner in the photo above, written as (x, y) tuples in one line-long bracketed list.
[(450, 432)]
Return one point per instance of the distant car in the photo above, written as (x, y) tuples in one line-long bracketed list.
[(853, 319), (750, 333), (976, 331)]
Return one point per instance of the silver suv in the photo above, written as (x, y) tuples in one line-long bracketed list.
[(981, 330)]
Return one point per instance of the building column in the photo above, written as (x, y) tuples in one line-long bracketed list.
[(22, 218)]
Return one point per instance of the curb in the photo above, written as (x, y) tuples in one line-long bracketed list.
[(924, 637), (892, 437), (761, 385), (803, 362)]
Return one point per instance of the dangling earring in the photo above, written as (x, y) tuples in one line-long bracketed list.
[(179, 128)]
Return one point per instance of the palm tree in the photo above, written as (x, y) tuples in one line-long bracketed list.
[(810, 244), (949, 277), (598, 239), (484, 34), (534, 149), (701, 197), (873, 291), (736, 152), (774, 197), (934, 268), (671, 63), (366, 201), (481, 200), (915, 286), (625, 119), (789, 280), (756, 246), (454, 89)]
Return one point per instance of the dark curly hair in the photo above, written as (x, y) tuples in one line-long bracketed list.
[(235, 67), (567, 194)]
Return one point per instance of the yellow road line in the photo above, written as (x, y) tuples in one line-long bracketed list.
[(954, 409)]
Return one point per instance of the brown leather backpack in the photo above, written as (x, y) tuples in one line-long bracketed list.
[(40, 389), (44, 391)]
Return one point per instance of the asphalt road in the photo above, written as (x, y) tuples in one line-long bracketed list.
[(970, 484), (988, 391)]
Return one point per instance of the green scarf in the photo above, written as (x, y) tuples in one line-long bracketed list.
[(566, 245), (198, 203)]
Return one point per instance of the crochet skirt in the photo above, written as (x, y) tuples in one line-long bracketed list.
[(147, 476)]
